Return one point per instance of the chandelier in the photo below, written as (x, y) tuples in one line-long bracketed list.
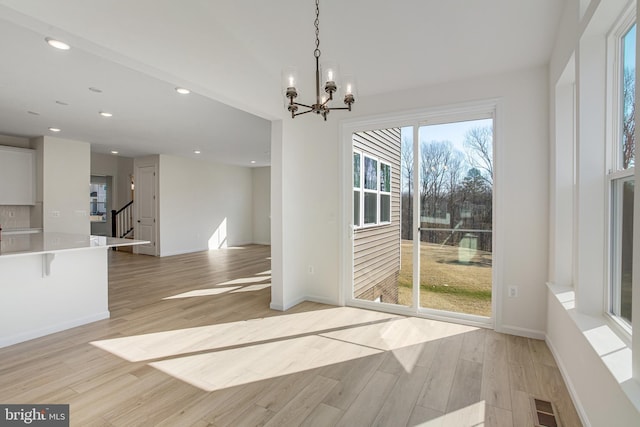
[(330, 83)]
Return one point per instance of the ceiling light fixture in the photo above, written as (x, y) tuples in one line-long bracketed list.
[(95, 89), (253, 162), (114, 152), (61, 103), (196, 151), (330, 79), (35, 113), (57, 43), (183, 91), (55, 129), (105, 114)]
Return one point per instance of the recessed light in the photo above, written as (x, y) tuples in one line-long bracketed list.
[(106, 114), (253, 162), (55, 129), (61, 103), (57, 44), (114, 152), (183, 91), (95, 89), (196, 151), (35, 113)]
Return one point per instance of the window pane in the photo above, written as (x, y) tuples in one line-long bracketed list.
[(356, 208), (385, 208), (622, 242), (356, 170), (370, 208), (626, 252), (385, 178), (627, 154), (370, 174)]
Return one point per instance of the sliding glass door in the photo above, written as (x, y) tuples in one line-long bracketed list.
[(423, 216)]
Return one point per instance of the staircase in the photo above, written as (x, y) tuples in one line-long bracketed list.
[(122, 222)]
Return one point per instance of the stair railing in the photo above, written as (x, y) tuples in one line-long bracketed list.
[(122, 221)]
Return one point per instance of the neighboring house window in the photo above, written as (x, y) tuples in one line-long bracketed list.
[(371, 191), (385, 192), (621, 176)]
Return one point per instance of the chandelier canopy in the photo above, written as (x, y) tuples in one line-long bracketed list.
[(330, 82)]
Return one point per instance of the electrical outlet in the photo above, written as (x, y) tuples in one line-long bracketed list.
[(12, 214), (311, 269), (513, 292), (55, 214)]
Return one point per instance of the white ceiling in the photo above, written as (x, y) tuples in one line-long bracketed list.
[(231, 53)]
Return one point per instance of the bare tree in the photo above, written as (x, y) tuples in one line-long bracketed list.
[(629, 118), (435, 162), (479, 144)]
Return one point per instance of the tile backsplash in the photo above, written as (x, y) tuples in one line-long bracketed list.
[(15, 217)]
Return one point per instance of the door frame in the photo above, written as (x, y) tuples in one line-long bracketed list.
[(150, 161), (427, 116)]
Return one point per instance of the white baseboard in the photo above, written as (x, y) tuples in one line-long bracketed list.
[(521, 332), (290, 304), (51, 329)]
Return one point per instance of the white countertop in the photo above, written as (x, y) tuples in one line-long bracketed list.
[(40, 243)]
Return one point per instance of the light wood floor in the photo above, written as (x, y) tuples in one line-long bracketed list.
[(191, 341)]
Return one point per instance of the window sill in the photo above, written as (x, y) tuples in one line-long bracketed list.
[(611, 349)]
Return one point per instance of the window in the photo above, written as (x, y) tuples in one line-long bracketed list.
[(371, 191), (621, 178), (98, 199)]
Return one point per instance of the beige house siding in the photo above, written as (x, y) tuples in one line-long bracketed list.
[(376, 251)]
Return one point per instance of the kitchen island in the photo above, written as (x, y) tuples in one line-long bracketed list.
[(50, 282)]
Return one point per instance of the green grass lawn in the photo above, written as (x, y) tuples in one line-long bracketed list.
[(446, 283)]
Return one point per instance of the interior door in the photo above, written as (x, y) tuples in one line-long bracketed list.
[(145, 228)]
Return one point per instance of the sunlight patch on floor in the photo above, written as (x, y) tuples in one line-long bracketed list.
[(473, 416), (252, 288), (219, 356), (244, 280), (229, 368), (214, 337), (203, 292)]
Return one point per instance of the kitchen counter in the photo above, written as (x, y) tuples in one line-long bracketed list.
[(31, 243), (53, 281)]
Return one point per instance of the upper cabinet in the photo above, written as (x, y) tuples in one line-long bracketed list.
[(17, 176)]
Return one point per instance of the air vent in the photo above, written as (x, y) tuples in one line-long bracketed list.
[(544, 413)]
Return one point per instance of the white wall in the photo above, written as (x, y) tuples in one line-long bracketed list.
[(123, 179), (65, 184), (203, 205), (261, 179), (310, 162), (595, 363)]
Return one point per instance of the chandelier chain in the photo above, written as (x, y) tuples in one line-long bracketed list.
[(316, 52)]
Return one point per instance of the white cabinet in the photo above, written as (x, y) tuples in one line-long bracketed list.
[(17, 176)]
